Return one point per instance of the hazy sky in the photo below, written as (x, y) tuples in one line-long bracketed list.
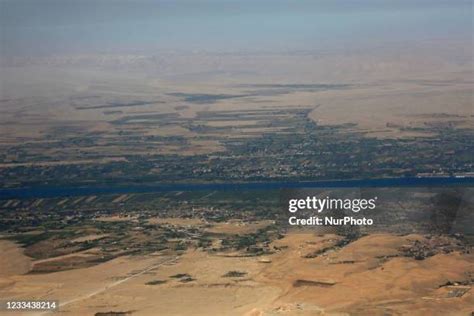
[(37, 27)]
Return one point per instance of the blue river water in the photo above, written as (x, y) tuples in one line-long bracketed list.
[(55, 191)]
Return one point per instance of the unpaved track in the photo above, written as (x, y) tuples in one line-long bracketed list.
[(107, 287)]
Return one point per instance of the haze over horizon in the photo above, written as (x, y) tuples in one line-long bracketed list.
[(146, 27)]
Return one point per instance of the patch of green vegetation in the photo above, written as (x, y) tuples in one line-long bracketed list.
[(180, 246), (30, 239), (246, 241), (204, 243)]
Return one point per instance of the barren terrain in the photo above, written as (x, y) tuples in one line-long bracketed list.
[(337, 281)]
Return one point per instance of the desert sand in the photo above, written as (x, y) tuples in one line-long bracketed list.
[(367, 277)]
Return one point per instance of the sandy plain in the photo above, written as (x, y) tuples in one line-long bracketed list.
[(366, 277), (386, 92)]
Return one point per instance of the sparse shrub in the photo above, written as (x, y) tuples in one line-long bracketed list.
[(234, 274), (156, 282), (180, 275)]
